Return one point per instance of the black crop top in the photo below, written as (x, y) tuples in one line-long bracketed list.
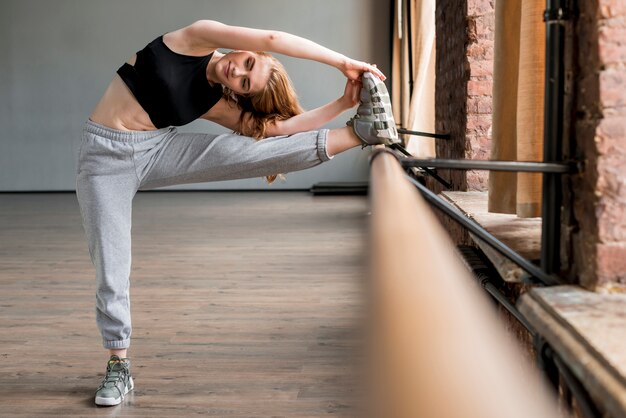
[(172, 88)]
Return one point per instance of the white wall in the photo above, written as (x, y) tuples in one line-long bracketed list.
[(57, 57)]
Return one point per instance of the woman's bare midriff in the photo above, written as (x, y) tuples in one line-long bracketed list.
[(119, 109)]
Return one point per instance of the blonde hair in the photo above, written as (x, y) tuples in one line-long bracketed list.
[(277, 101)]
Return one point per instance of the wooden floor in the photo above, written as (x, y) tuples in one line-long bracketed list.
[(244, 305)]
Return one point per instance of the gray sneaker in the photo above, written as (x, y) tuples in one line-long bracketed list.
[(374, 123), (116, 384)]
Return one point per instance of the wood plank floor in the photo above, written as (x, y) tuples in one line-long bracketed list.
[(244, 305)]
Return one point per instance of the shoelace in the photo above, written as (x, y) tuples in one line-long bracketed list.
[(113, 377)]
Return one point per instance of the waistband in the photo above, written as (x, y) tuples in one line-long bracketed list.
[(126, 136)]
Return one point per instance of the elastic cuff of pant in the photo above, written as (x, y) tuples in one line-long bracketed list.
[(322, 139), (121, 344)]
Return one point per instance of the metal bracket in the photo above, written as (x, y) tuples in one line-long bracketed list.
[(425, 134), (557, 15), (475, 228)]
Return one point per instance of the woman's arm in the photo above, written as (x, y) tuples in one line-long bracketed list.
[(228, 114), (209, 33), (316, 118)]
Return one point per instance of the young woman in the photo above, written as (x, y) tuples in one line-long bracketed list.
[(130, 142)]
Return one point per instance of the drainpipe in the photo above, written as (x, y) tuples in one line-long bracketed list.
[(555, 17)]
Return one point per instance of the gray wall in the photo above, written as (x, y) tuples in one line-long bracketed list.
[(57, 57)]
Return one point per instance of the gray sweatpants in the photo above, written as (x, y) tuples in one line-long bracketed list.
[(113, 165)]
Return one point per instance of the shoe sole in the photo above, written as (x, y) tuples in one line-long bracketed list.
[(382, 103), (115, 401), (375, 97)]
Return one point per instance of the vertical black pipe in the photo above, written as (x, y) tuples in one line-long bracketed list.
[(394, 19), (553, 135), (409, 38)]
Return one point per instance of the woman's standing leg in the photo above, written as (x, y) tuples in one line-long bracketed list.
[(105, 186), (106, 208)]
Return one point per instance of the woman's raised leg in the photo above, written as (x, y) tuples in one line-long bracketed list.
[(195, 158)]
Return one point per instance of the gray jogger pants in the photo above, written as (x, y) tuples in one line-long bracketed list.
[(113, 165)]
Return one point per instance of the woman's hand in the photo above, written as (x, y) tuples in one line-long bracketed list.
[(353, 69), (351, 94)]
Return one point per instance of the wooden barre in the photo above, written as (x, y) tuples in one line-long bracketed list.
[(437, 347)]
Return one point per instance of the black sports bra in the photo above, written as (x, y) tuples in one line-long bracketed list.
[(172, 88)]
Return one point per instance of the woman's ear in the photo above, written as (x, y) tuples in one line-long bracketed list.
[(231, 94)]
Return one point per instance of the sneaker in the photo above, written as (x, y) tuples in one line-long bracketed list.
[(116, 384), (374, 123)]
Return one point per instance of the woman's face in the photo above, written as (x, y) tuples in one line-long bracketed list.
[(243, 72)]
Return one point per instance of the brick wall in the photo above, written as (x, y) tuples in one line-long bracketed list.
[(452, 75), (599, 127), (463, 85), (481, 27)]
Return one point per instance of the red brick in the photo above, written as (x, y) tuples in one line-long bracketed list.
[(480, 124), (612, 88), (611, 228), (612, 127), (611, 263), (611, 179), (481, 70), (477, 180), (611, 136), (612, 44), (479, 88), (479, 147), (612, 8), (479, 105), (482, 50), (480, 7), (485, 26)]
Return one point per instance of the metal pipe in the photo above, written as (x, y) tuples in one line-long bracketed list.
[(484, 273), (516, 166), (409, 37), (545, 362), (428, 171), (555, 16), (426, 134), (506, 304), (483, 234), (584, 402)]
